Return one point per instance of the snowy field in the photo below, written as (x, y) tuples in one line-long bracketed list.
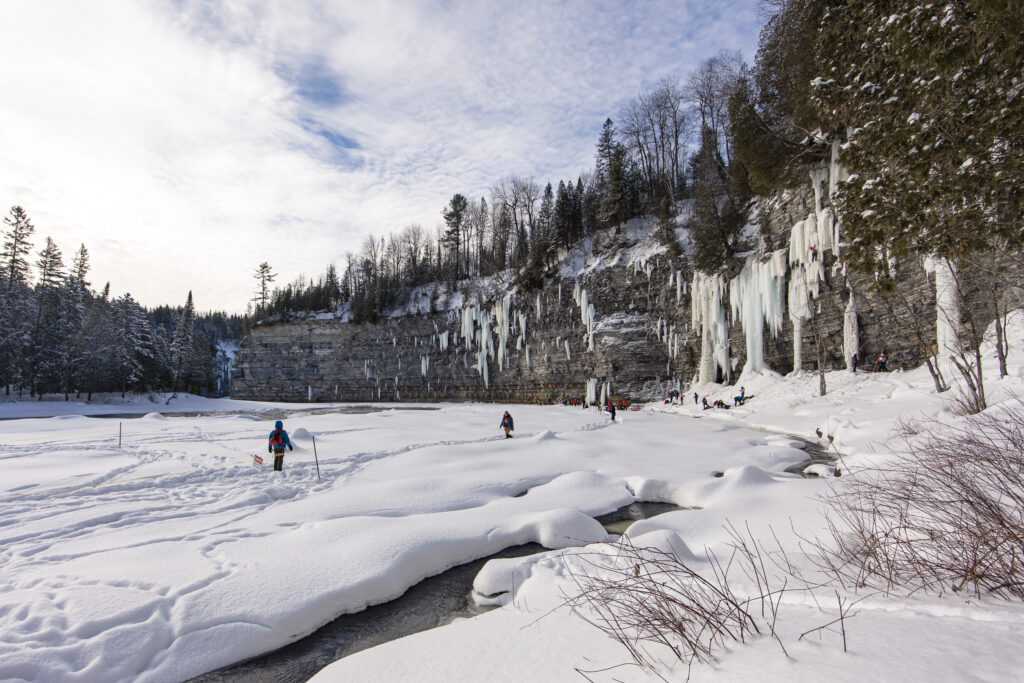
[(174, 554)]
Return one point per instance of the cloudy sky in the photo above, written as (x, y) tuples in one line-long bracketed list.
[(186, 141)]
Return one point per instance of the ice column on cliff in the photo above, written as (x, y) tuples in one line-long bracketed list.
[(501, 324), (755, 296), (809, 240), (851, 331), (708, 316), (424, 365), (591, 390), (947, 306), (587, 313)]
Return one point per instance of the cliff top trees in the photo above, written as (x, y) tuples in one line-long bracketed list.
[(264, 275), (770, 111), (932, 95), (717, 209), (455, 216)]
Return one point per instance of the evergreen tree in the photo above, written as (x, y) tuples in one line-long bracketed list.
[(264, 276), (16, 247), (455, 215), (47, 345), (717, 215), (128, 320), (181, 346), (931, 98)]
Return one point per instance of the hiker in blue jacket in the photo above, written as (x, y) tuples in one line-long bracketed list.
[(278, 440), (507, 424)]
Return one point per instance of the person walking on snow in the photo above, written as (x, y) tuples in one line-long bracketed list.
[(278, 440), (611, 409), (507, 424)]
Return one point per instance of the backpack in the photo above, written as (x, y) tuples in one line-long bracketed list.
[(276, 439)]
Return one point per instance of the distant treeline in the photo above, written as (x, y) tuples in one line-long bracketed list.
[(60, 336)]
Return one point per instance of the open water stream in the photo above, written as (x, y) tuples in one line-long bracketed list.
[(432, 602)]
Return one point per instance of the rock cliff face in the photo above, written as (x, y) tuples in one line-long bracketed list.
[(618, 317)]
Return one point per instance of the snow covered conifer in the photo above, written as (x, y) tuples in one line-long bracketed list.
[(16, 246), (933, 99), (264, 276), (181, 345)]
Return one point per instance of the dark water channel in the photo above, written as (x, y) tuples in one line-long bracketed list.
[(817, 453), (433, 602)]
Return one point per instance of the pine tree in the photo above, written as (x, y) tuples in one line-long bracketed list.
[(931, 98), (16, 247), (717, 216), (455, 215), (181, 346), (128, 319), (264, 276), (47, 346)]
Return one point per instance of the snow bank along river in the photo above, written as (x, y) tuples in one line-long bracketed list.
[(173, 555)]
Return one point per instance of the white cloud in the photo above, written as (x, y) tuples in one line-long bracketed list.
[(186, 142)]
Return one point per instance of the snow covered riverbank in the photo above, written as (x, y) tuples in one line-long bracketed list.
[(955, 637), (174, 555)]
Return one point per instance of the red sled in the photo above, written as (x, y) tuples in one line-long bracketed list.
[(257, 459)]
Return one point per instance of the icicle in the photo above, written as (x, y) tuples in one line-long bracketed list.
[(947, 307), (708, 316), (679, 286), (424, 365), (755, 296), (851, 344), (309, 392), (798, 333), (568, 354)]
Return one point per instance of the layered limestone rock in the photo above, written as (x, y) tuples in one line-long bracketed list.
[(619, 318)]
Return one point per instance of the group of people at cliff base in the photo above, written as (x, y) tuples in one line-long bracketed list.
[(881, 365), (737, 400)]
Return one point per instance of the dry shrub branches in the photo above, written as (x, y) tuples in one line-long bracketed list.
[(643, 597), (948, 514)]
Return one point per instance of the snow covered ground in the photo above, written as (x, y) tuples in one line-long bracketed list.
[(174, 554)]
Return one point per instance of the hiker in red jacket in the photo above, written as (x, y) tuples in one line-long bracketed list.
[(507, 424)]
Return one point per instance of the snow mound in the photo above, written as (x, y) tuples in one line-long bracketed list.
[(821, 469), (301, 433), (153, 416), (565, 528), (664, 540), (747, 475), (651, 490), (546, 435)]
